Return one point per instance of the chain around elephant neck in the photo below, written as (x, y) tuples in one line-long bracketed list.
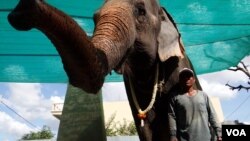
[(142, 113)]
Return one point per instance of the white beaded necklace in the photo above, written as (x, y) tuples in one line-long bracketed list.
[(142, 113)]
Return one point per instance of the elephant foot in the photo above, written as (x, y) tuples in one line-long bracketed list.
[(21, 17)]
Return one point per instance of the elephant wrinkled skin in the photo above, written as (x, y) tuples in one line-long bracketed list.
[(132, 37)]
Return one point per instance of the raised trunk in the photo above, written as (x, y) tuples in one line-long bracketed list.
[(115, 31), (86, 62)]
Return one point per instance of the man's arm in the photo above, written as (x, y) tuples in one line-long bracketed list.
[(213, 119), (172, 120)]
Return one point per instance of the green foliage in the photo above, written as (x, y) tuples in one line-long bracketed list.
[(112, 127), (117, 128), (45, 133)]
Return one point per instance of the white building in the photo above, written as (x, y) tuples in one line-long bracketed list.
[(122, 110)]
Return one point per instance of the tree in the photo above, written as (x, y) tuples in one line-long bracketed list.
[(126, 128), (243, 68), (45, 133), (118, 128), (110, 126)]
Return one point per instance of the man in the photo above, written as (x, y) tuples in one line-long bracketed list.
[(191, 112)]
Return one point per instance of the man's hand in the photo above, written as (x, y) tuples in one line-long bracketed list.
[(173, 138), (219, 138)]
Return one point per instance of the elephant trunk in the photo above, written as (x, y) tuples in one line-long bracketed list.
[(114, 32), (85, 61)]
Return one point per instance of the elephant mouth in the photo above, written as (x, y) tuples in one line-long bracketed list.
[(139, 46)]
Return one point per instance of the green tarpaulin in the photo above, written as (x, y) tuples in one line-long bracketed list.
[(216, 35)]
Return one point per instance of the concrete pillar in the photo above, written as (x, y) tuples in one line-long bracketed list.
[(82, 117)]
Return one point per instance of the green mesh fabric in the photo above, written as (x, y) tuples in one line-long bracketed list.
[(216, 35)]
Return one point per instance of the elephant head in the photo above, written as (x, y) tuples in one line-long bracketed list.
[(132, 37), (122, 26)]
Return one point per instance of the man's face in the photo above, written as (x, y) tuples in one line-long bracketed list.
[(187, 79)]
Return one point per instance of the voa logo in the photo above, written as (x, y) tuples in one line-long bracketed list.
[(236, 132)]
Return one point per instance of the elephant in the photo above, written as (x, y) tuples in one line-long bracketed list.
[(136, 38)]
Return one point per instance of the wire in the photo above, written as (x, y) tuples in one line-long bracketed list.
[(230, 39), (1, 109), (206, 43), (19, 115), (214, 24), (5, 10), (237, 108), (179, 23), (32, 55), (247, 116)]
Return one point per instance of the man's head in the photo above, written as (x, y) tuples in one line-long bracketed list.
[(186, 72), (186, 77)]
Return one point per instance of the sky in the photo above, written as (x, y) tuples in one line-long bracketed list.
[(26, 107)]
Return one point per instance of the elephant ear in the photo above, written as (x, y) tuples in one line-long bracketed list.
[(169, 40)]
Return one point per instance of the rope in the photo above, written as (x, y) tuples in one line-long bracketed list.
[(142, 113)]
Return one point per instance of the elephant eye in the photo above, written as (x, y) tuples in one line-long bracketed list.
[(140, 9)]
